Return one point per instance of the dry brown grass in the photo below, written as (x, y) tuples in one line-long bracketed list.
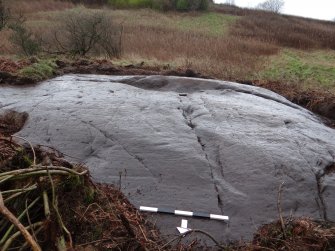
[(171, 40), (222, 57), (6, 47), (181, 41), (286, 31), (33, 6)]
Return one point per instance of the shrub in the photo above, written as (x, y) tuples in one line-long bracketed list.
[(203, 5), (182, 5), (24, 39), (4, 15), (88, 32)]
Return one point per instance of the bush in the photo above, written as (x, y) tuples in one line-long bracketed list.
[(203, 5), (88, 32), (24, 39), (182, 5), (4, 15)]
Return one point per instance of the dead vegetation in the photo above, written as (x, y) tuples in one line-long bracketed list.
[(301, 234), (319, 101), (286, 31)]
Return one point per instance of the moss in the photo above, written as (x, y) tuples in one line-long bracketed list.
[(21, 160), (41, 70), (89, 195)]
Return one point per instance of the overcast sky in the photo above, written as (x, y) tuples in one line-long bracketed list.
[(319, 9)]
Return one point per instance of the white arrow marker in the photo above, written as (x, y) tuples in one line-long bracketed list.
[(183, 228)]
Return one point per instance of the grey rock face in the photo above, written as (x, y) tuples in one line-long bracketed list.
[(188, 144)]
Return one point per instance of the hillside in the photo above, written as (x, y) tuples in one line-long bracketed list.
[(227, 42)]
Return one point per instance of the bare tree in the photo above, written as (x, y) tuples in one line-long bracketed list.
[(85, 32), (4, 15), (230, 2), (272, 5)]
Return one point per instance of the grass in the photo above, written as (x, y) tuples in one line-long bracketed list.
[(228, 43), (200, 41), (286, 31), (206, 23), (209, 23), (311, 69), (41, 70)]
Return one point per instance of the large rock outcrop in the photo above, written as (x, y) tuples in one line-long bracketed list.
[(189, 144)]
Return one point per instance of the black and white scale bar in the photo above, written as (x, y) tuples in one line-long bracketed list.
[(184, 213)]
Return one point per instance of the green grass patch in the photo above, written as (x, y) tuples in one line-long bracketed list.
[(315, 68), (41, 70), (206, 23), (210, 23)]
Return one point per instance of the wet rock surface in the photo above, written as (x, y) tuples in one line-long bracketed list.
[(188, 144)]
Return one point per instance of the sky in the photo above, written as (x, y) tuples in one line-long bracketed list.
[(318, 9)]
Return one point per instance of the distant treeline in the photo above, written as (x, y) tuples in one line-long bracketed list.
[(164, 5)]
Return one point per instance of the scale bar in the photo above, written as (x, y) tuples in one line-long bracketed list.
[(184, 213)]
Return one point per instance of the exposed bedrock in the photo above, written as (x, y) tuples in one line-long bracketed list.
[(189, 144)]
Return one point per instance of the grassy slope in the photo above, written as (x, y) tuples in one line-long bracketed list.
[(312, 68), (229, 44)]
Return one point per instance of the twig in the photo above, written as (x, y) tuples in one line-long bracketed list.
[(24, 246), (280, 209), (171, 241), (145, 237), (42, 168), (17, 234), (46, 205), (10, 229), (93, 242), (29, 220), (59, 218), (194, 231), (7, 178), (88, 207), (33, 187), (17, 223), (39, 173)]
